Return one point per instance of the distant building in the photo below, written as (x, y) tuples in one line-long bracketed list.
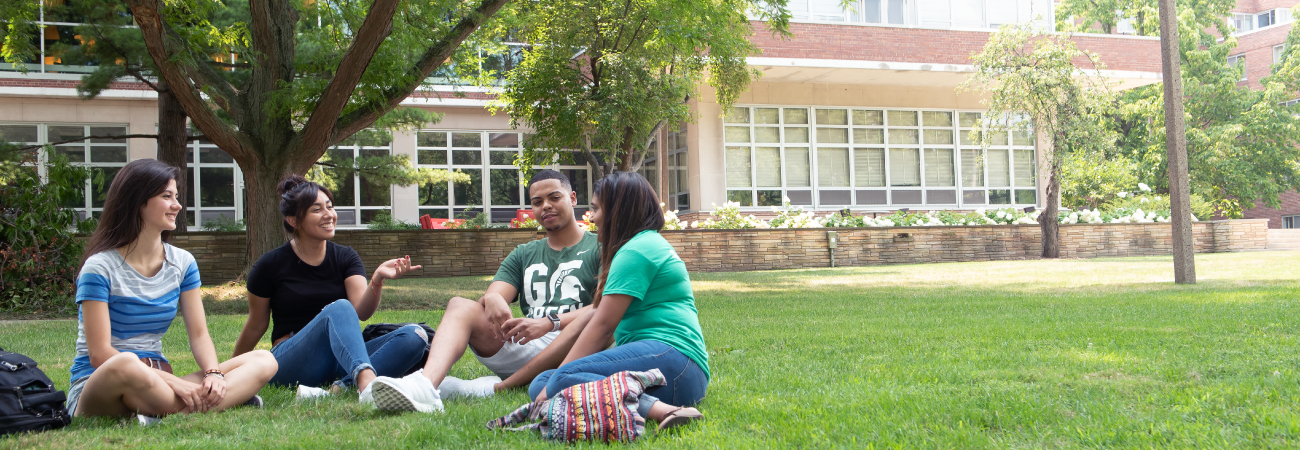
[(858, 110)]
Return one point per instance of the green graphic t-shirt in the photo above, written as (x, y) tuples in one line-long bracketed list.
[(549, 280), (647, 269)]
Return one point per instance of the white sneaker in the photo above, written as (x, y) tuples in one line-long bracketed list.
[(147, 421), (367, 396), (309, 392), (413, 392), (453, 387)]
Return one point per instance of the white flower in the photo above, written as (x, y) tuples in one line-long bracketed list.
[(1002, 214), (1144, 200), (980, 211), (1122, 194), (1157, 198), (1144, 187)]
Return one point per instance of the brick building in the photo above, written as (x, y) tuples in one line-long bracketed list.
[(1262, 27), (858, 110)]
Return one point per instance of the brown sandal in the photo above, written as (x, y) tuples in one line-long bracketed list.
[(678, 417)]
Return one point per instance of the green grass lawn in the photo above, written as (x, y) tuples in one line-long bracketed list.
[(1021, 354)]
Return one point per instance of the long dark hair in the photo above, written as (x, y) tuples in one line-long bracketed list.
[(296, 197), (629, 206), (133, 186)]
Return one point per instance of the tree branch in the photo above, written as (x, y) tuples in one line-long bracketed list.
[(118, 136), (321, 130), (432, 59)]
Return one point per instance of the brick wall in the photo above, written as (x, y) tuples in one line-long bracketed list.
[(921, 45), (446, 253), (1289, 205)]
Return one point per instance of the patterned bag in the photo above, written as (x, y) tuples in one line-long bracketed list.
[(599, 410)]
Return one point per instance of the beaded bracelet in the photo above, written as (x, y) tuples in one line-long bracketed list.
[(216, 372)]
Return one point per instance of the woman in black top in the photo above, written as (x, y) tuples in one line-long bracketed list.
[(316, 293)]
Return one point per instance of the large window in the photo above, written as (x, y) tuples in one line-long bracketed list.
[(676, 164), (495, 185), (357, 200), (841, 157), (1247, 22), (927, 13), (56, 25), (217, 177), (105, 157)]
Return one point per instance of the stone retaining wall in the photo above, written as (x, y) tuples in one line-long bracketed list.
[(446, 253)]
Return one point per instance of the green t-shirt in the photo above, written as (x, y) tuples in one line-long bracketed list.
[(549, 280), (647, 269)]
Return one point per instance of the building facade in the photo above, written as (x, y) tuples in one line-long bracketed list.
[(858, 110)]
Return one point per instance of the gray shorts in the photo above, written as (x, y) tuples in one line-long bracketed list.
[(74, 394), (513, 356)]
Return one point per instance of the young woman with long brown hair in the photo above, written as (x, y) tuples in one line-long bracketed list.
[(643, 302), (131, 283), (316, 293)]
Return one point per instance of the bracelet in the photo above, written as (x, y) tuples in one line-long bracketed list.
[(376, 288), (216, 372)]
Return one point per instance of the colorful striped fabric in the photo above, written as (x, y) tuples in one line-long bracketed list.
[(603, 410)]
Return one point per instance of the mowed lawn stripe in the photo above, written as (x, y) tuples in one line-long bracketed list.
[(1018, 354)]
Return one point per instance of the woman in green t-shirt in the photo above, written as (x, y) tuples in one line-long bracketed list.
[(643, 302)]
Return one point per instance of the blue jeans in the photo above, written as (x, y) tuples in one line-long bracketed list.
[(686, 382), (330, 348)]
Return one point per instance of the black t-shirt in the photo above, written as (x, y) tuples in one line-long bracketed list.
[(299, 291)]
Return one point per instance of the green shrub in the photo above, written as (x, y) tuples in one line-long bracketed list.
[(39, 255), (223, 223), (384, 221)]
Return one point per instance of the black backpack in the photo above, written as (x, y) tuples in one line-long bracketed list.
[(28, 401), (375, 330)]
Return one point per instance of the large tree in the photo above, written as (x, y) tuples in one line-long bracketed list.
[(306, 76), (1032, 74), (605, 77)]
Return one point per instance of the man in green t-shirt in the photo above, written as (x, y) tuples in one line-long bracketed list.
[(553, 279)]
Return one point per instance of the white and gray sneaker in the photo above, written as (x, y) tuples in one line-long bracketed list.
[(480, 387), (310, 392), (367, 396), (413, 392)]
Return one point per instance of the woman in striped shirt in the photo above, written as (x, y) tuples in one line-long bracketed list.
[(131, 283)]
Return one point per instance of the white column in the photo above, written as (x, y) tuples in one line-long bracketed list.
[(406, 199), (706, 165)]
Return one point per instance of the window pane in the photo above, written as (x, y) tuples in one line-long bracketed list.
[(579, 179), (869, 167), (797, 170), (471, 192), (969, 119), (745, 198), (868, 117), (1026, 196), (501, 158), (18, 133), (795, 115), (903, 137), (938, 167), (216, 187), (969, 138), (904, 167), (737, 134), (972, 168), (77, 198), (432, 156), (375, 193), (1022, 137), (345, 194), (796, 135), (832, 117), (832, 167), (868, 136), (503, 140), (469, 157), (737, 115), (902, 118), (997, 138), (1000, 197), (75, 153), (60, 134), (431, 139), (937, 118), (433, 194), (999, 168), (768, 162), (505, 187), (101, 179), (738, 167), (770, 198), (833, 135), (938, 136), (1025, 168), (767, 135), (766, 116), (466, 139), (108, 153), (439, 213), (107, 131), (214, 155)]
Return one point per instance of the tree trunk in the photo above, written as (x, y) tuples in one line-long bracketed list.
[(262, 211), (172, 145), (1047, 221)]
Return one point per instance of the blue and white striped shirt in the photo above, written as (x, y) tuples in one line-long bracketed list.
[(140, 309)]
